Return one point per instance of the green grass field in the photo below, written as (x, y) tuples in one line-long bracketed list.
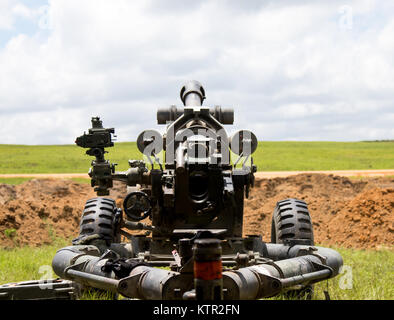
[(270, 156), (368, 275)]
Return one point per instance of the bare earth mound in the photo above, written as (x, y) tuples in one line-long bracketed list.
[(34, 212), (349, 213), (345, 212)]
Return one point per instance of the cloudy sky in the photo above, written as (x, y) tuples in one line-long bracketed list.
[(293, 70)]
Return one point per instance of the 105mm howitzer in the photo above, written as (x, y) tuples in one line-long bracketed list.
[(194, 200)]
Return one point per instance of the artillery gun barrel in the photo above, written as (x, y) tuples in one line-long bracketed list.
[(193, 95), (193, 100)]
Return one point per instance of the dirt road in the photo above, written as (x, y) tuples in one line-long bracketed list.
[(341, 173), (259, 175)]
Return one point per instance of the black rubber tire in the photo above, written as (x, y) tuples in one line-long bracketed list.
[(100, 220), (292, 224)]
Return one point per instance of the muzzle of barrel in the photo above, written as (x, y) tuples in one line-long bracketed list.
[(192, 93)]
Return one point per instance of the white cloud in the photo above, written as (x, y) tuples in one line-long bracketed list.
[(6, 14), (290, 68), (22, 11)]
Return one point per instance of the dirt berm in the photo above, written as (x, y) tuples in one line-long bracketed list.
[(345, 212)]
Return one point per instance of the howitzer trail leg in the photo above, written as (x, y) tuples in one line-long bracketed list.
[(55, 289), (297, 265)]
